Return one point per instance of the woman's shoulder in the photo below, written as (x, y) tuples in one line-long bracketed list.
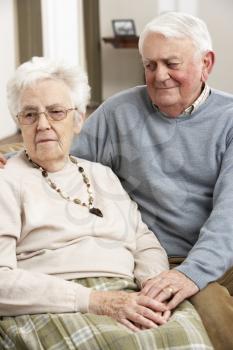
[(15, 167), (101, 174)]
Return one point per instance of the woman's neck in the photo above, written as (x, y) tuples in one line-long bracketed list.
[(51, 165)]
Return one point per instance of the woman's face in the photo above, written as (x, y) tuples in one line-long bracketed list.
[(47, 142)]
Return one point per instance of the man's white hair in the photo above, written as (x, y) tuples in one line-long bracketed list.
[(41, 68), (179, 25)]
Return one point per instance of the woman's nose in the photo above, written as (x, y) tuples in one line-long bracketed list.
[(43, 122)]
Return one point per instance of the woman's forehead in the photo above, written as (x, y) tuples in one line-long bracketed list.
[(45, 91)]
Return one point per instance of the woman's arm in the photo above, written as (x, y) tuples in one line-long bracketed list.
[(150, 257), (25, 292)]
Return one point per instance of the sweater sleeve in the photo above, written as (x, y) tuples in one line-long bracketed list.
[(94, 142), (24, 292), (150, 257), (212, 255)]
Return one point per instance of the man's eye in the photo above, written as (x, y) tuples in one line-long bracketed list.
[(173, 65), (150, 66)]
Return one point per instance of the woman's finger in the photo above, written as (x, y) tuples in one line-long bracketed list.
[(130, 325)]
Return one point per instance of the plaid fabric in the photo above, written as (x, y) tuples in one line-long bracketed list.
[(91, 332)]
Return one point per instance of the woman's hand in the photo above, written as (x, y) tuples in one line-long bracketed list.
[(133, 310), (2, 160)]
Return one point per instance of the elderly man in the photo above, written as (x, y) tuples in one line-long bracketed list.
[(171, 144)]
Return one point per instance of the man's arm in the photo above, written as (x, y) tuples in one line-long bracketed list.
[(94, 143), (211, 256)]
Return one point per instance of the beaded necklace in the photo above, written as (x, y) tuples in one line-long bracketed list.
[(63, 194)]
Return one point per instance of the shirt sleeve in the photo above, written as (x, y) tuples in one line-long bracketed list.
[(212, 255), (24, 292)]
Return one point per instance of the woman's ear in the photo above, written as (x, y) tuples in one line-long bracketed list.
[(78, 122), (208, 62)]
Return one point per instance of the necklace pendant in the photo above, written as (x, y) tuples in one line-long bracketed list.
[(96, 212)]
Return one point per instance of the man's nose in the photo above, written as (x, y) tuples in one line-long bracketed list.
[(161, 73), (43, 122)]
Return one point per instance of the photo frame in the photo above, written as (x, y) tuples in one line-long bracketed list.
[(123, 27)]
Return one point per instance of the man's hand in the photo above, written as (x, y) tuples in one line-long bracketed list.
[(133, 310), (172, 286), (2, 160)]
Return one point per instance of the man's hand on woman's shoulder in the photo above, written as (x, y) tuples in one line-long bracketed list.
[(2, 160)]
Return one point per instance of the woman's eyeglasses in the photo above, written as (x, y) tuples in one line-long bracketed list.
[(29, 117)]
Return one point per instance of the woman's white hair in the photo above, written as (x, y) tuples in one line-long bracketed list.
[(179, 25), (40, 68)]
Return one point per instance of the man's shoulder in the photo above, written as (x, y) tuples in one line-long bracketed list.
[(222, 96), (136, 94)]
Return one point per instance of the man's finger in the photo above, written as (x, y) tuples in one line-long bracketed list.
[(176, 300)]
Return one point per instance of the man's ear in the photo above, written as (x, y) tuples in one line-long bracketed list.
[(208, 60), (78, 122)]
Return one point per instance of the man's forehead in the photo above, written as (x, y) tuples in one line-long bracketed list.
[(159, 46)]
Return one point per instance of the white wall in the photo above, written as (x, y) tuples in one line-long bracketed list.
[(122, 67), (218, 16), (62, 30), (9, 54)]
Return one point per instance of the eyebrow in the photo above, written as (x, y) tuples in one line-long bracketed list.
[(163, 59), (29, 107)]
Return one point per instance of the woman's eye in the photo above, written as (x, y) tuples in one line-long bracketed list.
[(29, 115), (56, 111)]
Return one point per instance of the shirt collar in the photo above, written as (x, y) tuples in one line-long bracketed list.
[(196, 104)]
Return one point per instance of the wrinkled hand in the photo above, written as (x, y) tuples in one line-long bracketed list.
[(2, 160), (170, 285), (133, 310)]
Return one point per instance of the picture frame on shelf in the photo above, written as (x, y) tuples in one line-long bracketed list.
[(123, 27)]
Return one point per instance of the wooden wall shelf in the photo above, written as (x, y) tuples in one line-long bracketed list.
[(123, 42)]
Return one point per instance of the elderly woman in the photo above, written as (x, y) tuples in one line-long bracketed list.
[(73, 247)]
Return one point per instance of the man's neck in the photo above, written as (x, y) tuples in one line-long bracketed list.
[(173, 112)]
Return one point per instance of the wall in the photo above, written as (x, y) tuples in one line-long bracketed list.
[(122, 67), (61, 30), (218, 16), (9, 54)]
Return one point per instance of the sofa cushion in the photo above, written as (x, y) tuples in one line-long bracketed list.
[(11, 147)]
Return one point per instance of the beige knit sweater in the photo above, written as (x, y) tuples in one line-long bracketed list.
[(46, 241)]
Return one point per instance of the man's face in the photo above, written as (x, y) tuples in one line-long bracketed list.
[(174, 72)]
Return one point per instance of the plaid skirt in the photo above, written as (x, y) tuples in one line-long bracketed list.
[(71, 331)]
